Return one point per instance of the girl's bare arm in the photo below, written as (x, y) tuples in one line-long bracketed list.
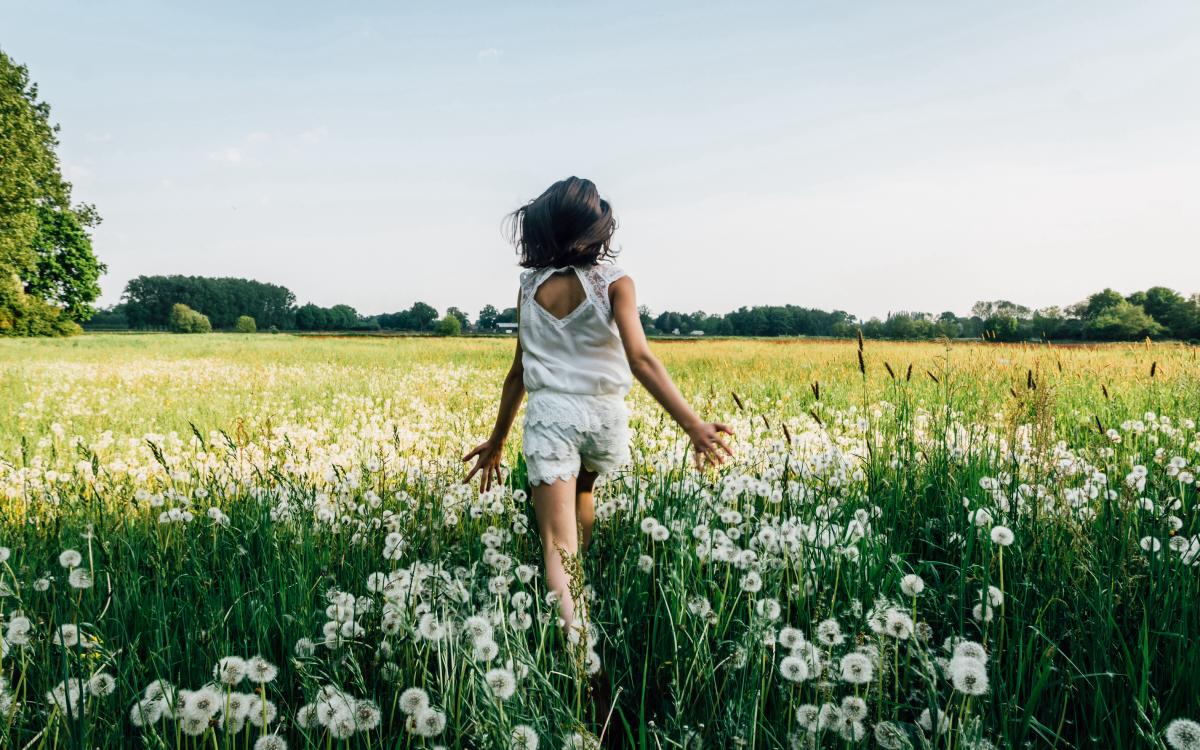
[(491, 450), (651, 373)]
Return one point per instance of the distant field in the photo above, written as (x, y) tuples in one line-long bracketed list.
[(955, 546)]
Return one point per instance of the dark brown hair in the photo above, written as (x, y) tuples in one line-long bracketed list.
[(568, 225)]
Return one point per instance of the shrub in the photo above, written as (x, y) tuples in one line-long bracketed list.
[(184, 319), (245, 324), (449, 326)]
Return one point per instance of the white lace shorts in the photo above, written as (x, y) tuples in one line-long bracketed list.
[(566, 431)]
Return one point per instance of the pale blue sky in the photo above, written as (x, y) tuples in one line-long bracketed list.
[(864, 156)]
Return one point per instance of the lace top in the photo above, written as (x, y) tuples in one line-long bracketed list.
[(581, 352)]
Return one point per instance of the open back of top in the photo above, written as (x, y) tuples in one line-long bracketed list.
[(568, 338)]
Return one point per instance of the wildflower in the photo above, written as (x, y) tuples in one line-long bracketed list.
[(261, 713), (971, 650), (270, 742), (645, 563), (260, 671), (66, 635), (790, 638), (477, 626), (807, 716), (898, 624), (925, 721), (485, 650), (101, 684), (428, 722), (751, 582), (769, 608), (230, 670), (366, 715), (890, 736), (146, 712), (854, 708), (502, 683), (1002, 535), (306, 717), (524, 738), (1150, 544), (79, 578), (857, 669), (912, 585), (5, 553), (1183, 734), (829, 632), (968, 675), (413, 700), (70, 558), (794, 669)]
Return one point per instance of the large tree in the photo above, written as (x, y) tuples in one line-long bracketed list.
[(43, 239)]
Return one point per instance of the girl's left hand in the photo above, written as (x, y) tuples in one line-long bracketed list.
[(488, 454)]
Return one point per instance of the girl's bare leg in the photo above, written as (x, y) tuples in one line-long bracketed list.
[(585, 508), (554, 506)]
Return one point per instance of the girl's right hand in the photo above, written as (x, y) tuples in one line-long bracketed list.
[(706, 440), (488, 453)]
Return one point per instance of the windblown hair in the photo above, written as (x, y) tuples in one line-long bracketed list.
[(568, 225)]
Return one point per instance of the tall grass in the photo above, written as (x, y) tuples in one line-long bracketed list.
[(858, 464)]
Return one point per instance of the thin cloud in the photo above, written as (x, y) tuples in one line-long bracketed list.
[(229, 155), (314, 135)]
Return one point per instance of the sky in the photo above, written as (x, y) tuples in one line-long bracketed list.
[(868, 156)]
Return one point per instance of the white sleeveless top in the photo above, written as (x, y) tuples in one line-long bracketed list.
[(581, 353)]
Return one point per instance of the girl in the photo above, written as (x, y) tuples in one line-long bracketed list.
[(579, 341)]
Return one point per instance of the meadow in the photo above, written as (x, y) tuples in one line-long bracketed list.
[(264, 541)]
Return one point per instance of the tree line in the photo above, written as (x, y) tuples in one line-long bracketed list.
[(1158, 312)]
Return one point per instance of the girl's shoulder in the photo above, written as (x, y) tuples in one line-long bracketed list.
[(606, 273)]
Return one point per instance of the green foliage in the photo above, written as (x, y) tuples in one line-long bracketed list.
[(1122, 321), (449, 326), (44, 245), (419, 317), (245, 324), (487, 318), (184, 319), (148, 300)]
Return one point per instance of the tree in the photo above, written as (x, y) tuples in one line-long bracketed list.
[(1122, 321), (487, 318), (149, 298), (1100, 302), (68, 273), (184, 319), (37, 221), (449, 326), (422, 316), (245, 324), (463, 320)]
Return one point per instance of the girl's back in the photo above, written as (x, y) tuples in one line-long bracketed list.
[(569, 341)]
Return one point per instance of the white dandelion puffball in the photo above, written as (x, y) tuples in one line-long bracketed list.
[(413, 700), (366, 715), (260, 671), (971, 650), (808, 717), (890, 736), (793, 669), (1002, 535), (230, 670), (102, 684), (524, 738), (912, 585), (270, 742), (854, 708), (1150, 544), (829, 632), (502, 683), (1183, 734), (70, 559), (856, 668), (646, 563), (969, 676), (79, 579)]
